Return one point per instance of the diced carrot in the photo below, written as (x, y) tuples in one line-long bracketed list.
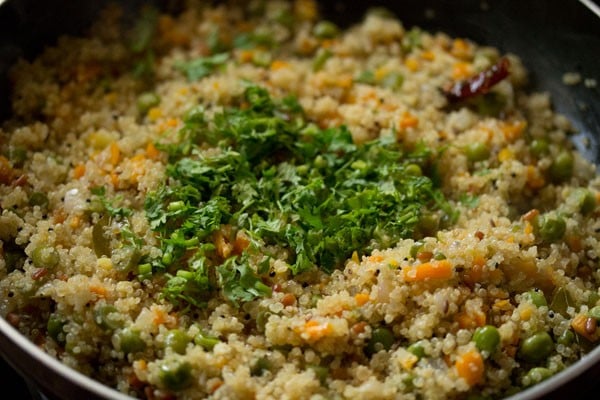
[(361, 299), (241, 242), (115, 153), (214, 385), (409, 361), (279, 64), (224, 248), (526, 312), (288, 299), (441, 269), (78, 171), (160, 316), (474, 275), (59, 216), (428, 55), (246, 56), (574, 243), (579, 325), (315, 330), (470, 367), (408, 121), (535, 180), (344, 81), (470, 319), (505, 154), (513, 130), (114, 179), (461, 49), (151, 151), (412, 64), (461, 70), (531, 214), (6, 171), (98, 290), (359, 327), (327, 43), (528, 230), (155, 113), (375, 258), (75, 222)]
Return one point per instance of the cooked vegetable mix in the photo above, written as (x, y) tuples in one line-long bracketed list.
[(253, 202)]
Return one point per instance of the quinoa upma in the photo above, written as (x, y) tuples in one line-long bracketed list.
[(250, 202)]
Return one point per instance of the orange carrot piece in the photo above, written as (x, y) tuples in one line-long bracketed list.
[(79, 171), (361, 299), (441, 269), (470, 367), (115, 153)]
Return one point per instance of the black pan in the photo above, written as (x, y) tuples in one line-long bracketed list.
[(551, 36)]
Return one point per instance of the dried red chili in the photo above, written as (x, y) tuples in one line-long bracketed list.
[(480, 83)]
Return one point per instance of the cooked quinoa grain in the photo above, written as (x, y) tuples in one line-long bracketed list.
[(252, 202)]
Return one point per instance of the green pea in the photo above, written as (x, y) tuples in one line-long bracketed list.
[(477, 151), (38, 199), (566, 338), (177, 340), (381, 339), (107, 317), (411, 40), (487, 338), (439, 256), (260, 366), (562, 167), (320, 162), (536, 347), (393, 81), (537, 298), (175, 376), (415, 249), (17, 156), (417, 350), (584, 199), (592, 299), (261, 58), (536, 375), (539, 147), (429, 223), (144, 271), (322, 373), (413, 170), (45, 257), (130, 341), (325, 30), (367, 77), (552, 228), (206, 341), (594, 312), (146, 101), (320, 59), (55, 328)]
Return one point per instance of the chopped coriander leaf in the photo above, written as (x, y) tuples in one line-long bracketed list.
[(282, 182), (201, 67)]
